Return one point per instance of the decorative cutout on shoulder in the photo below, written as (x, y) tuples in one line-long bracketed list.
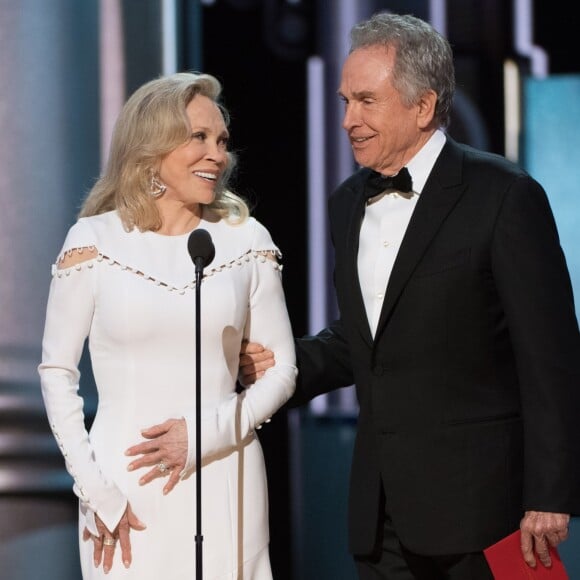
[(76, 256), (270, 254)]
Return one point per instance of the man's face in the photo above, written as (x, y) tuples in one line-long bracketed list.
[(383, 131)]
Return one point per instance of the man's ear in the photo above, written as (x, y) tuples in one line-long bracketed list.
[(426, 109)]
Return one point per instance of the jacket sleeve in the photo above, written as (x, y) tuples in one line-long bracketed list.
[(324, 360), (532, 279), (324, 364)]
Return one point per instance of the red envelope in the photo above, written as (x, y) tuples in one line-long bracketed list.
[(506, 562)]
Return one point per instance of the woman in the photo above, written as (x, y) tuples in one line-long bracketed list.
[(124, 280)]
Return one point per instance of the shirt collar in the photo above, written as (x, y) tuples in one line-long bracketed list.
[(422, 163)]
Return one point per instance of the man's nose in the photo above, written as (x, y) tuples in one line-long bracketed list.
[(350, 118)]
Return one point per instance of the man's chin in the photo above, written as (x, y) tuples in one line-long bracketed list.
[(362, 158)]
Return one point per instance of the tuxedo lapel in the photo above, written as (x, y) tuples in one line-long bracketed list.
[(440, 194)]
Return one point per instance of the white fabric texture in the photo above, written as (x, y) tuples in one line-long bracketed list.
[(135, 302)]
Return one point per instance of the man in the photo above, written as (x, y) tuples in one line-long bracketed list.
[(467, 366)]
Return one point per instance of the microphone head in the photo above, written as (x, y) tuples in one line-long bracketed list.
[(200, 248)]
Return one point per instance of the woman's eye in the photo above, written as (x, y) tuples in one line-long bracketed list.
[(200, 136)]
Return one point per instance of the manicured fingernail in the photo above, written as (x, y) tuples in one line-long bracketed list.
[(126, 563), (130, 467), (142, 481), (106, 569)]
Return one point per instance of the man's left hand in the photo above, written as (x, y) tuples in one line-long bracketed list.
[(540, 530)]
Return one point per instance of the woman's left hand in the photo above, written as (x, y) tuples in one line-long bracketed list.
[(165, 451)]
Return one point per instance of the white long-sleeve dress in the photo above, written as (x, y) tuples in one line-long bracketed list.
[(135, 302)]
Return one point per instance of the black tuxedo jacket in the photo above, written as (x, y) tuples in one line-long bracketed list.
[(469, 393)]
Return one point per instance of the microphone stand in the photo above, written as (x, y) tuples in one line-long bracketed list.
[(198, 536), (202, 252)]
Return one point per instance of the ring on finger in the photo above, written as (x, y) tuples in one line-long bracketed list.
[(109, 541), (162, 467)]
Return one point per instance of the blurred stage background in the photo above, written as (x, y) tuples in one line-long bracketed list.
[(66, 66)]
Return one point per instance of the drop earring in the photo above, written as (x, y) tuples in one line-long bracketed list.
[(156, 186)]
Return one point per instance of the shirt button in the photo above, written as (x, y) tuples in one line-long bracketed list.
[(380, 296), (385, 243)]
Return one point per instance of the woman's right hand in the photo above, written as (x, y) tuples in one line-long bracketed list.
[(105, 543), (164, 451)]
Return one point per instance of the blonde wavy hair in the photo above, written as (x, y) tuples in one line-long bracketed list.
[(152, 123)]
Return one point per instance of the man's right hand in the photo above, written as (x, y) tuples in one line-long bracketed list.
[(254, 361)]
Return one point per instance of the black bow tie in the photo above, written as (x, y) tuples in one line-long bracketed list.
[(377, 183)]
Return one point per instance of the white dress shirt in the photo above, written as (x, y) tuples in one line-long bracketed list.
[(384, 225)]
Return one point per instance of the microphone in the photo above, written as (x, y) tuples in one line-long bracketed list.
[(200, 248)]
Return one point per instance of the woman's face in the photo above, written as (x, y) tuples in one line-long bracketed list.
[(192, 170)]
